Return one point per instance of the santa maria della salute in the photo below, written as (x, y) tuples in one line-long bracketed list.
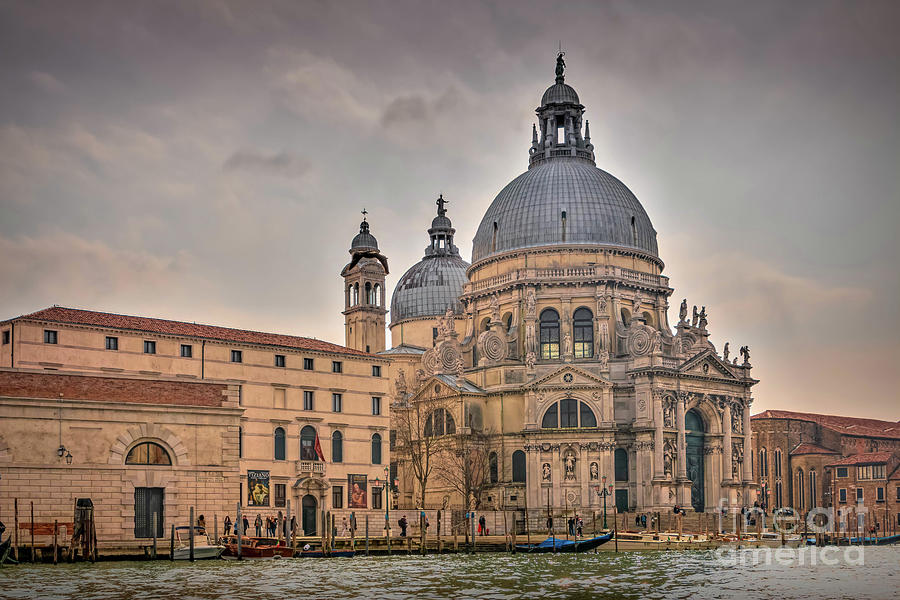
[(551, 353)]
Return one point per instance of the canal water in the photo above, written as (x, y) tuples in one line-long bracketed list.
[(803, 573)]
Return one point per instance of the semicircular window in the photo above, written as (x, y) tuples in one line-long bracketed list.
[(148, 453), (568, 414), (439, 422)]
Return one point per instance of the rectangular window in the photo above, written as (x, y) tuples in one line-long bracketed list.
[(859, 495), (50, 336), (842, 471), (279, 360), (307, 364), (149, 347), (376, 405), (877, 471), (879, 494), (337, 366), (434, 333), (376, 370), (237, 356), (376, 498), (842, 494), (280, 494), (112, 343), (337, 402), (6, 336), (898, 493), (187, 351), (307, 400), (337, 496)]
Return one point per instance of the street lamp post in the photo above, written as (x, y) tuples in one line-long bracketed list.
[(602, 492)]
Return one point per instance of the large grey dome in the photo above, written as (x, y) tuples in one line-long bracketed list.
[(429, 287), (599, 210)]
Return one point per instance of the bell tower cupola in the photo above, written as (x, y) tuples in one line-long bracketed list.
[(364, 308)]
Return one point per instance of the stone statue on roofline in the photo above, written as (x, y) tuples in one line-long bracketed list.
[(725, 352), (694, 317), (745, 354), (702, 318), (683, 311)]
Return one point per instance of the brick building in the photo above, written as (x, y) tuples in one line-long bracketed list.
[(132, 444), (805, 460)]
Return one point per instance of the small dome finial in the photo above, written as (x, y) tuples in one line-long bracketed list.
[(440, 204), (364, 213), (560, 65)]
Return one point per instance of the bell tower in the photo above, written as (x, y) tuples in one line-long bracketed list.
[(364, 311)]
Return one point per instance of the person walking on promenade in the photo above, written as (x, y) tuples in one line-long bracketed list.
[(482, 525), (246, 524), (227, 524), (402, 523), (257, 523)]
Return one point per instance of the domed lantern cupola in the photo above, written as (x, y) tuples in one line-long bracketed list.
[(560, 116)]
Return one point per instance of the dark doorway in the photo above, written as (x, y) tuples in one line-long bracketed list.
[(146, 502), (694, 430), (622, 500), (309, 515)]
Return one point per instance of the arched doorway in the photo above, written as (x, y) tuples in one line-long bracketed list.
[(308, 505), (694, 433)]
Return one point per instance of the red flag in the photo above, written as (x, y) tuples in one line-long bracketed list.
[(319, 448)]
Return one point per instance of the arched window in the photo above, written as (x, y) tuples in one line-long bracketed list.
[(777, 462), (763, 466), (778, 488), (337, 447), (355, 294), (800, 498), (368, 293), (439, 422), (240, 442), (549, 334), (376, 448), (583, 324), (308, 443), (812, 488), (518, 467), (148, 453), (493, 467), (377, 296), (279, 443), (621, 460), (566, 413)]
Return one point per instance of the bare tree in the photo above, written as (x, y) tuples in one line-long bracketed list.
[(421, 425), (463, 466)]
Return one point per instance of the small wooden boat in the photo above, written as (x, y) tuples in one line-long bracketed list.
[(254, 547), (649, 540), (202, 548), (553, 544), (866, 541)]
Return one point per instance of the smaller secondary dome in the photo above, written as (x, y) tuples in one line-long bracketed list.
[(364, 240), (560, 93), (436, 281)]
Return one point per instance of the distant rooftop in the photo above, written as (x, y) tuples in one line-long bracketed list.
[(844, 425), (75, 316), (868, 458)]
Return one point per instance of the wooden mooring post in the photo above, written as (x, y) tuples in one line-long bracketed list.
[(367, 535), (155, 524), (55, 541), (32, 531), (239, 525), (16, 529), (191, 534), (172, 543)]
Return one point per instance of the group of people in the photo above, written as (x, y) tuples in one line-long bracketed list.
[(575, 526), (270, 523)]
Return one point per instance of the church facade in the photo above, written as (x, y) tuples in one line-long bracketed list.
[(554, 345)]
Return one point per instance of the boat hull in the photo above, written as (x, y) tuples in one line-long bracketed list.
[(200, 553), (551, 545)]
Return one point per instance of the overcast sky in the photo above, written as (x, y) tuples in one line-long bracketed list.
[(207, 161)]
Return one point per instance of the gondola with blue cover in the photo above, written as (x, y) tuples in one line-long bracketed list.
[(553, 544)]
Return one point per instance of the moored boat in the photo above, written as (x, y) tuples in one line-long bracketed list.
[(553, 544), (203, 549)]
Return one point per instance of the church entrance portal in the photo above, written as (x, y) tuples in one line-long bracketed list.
[(694, 430)]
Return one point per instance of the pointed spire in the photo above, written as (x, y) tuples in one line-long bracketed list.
[(587, 131), (534, 137)]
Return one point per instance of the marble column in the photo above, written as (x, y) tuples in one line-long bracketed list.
[(657, 397), (726, 440), (682, 442), (748, 444), (533, 476)]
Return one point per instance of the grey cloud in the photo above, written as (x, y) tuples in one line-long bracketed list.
[(283, 163), (405, 109), (47, 82)]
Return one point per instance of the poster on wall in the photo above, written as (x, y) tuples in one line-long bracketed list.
[(357, 489), (257, 488)]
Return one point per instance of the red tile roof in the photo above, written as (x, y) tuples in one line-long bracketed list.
[(59, 314), (844, 425), (867, 458), (806, 448)]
